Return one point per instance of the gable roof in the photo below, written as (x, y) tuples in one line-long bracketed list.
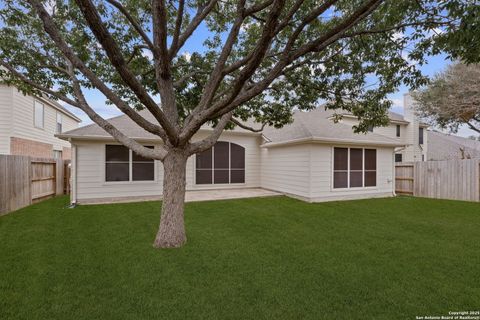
[(311, 126), (443, 146), (316, 126)]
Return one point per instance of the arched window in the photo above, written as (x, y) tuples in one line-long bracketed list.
[(223, 163)]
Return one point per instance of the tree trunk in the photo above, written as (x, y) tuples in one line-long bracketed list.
[(171, 233)]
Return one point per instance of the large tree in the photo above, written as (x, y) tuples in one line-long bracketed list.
[(259, 60), (452, 98)]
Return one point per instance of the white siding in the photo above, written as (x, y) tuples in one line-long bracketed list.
[(5, 118), (306, 170), (388, 131), (287, 169), (91, 184)]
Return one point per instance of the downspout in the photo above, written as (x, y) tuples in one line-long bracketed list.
[(73, 175), (394, 181)]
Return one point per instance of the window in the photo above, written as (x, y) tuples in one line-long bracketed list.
[(423, 157), (420, 136), (59, 123), (354, 167), (398, 157), (57, 154), (398, 130), (224, 163), (121, 164), (370, 128), (143, 169), (117, 166), (38, 115)]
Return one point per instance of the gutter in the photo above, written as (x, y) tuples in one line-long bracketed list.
[(330, 141)]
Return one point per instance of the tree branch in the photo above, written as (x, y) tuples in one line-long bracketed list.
[(178, 24), (116, 58), (317, 45), (208, 142), (191, 27), (158, 154), (243, 126), (56, 37), (133, 22)]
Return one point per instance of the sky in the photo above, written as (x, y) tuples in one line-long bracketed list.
[(434, 65)]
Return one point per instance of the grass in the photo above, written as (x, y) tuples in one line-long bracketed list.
[(265, 258)]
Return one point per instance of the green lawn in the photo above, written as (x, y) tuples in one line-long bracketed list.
[(266, 258)]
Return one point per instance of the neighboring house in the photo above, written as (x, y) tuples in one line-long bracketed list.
[(28, 125), (408, 130), (312, 159), (447, 147)]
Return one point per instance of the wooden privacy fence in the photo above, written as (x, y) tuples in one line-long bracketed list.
[(26, 180), (450, 179)]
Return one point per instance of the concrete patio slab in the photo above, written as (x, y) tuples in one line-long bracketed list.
[(192, 196), (208, 195)]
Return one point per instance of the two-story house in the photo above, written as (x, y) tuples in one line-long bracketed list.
[(28, 125), (406, 129)]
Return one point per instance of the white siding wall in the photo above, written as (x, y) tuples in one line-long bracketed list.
[(91, 183), (414, 151), (388, 131), (5, 118), (23, 118), (287, 169), (322, 176), (306, 170)]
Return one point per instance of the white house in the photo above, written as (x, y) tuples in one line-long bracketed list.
[(407, 129), (312, 159), (28, 125)]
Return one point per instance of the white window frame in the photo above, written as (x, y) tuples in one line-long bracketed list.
[(130, 167), (35, 104), (213, 168), (363, 187)]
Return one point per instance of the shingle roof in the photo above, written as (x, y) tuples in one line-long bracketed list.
[(317, 125), (313, 125), (443, 146)]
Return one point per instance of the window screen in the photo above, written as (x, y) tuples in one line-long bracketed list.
[(340, 168), (370, 167), (204, 164), (143, 169), (354, 167), (224, 163), (117, 163), (221, 173)]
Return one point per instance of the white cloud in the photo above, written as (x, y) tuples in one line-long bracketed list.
[(397, 36), (147, 54), (187, 55), (50, 6), (397, 102)]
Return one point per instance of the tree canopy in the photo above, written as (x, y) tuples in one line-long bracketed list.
[(452, 98), (259, 59)]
